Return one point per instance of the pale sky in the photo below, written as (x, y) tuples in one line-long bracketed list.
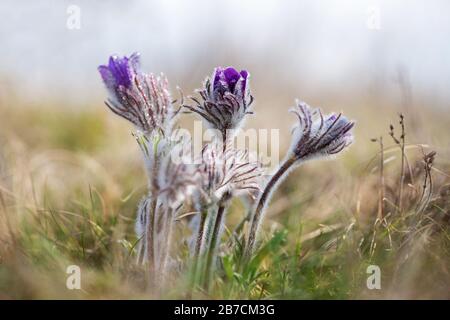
[(322, 44)]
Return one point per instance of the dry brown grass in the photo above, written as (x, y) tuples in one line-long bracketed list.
[(71, 180)]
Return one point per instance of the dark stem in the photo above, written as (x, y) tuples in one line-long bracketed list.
[(402, 172), (381, 198), (215, 237), (198, 245), (224, 141), (402, 178), (258, 215), (214, 240), (199, 240)]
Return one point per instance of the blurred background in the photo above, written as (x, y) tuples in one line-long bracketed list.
[(338, 55), (310, 47), (62, 151)]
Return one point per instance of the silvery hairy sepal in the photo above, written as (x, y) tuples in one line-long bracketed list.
[(222, 175), (143, 99), (225, 99), (317, 135), (231, 173)]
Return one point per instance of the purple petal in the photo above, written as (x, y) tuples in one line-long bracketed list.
[(244, 75), (135, 61), (231, 77), (332, 117), (107, 76), (216, 76), (120, 71), (229, 80)]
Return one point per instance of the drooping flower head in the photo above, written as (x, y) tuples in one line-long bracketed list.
[(226, 99), (142, 99), (317, 135)]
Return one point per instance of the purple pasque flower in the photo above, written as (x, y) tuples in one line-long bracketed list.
[(120, 71), (317, 135), (226, 99), (229, 80), (314, 136), (143, 99)]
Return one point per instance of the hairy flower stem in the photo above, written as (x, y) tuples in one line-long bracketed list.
[(164, 262), (263, 199), (215, 237), (153, 185), (151, 239), (198, 246), (201, 231)]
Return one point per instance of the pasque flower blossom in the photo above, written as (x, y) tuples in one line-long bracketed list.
[(317, 135), (222, 173), (226, 99), (143, 99), (314, 136), (120, 71)]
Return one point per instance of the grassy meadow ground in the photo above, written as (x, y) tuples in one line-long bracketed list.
[(71, 179)]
